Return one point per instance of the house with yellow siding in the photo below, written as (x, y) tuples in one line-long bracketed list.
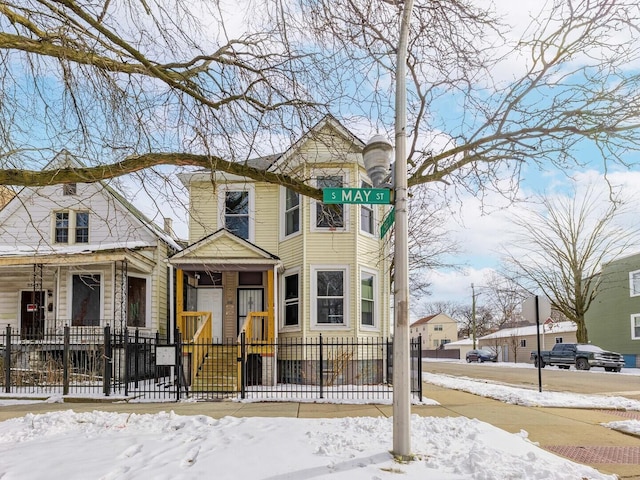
[(267, 262)]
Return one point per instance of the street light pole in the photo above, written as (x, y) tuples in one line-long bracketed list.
[(401, 336), (377, 157)]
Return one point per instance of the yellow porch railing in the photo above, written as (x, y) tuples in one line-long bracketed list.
[(196, 335)]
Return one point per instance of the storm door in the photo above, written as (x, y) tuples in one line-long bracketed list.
[(249, 300), (32, 315)]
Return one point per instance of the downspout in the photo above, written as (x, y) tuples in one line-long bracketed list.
[(276, 323)]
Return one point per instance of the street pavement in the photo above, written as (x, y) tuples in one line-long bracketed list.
[(576, 434)]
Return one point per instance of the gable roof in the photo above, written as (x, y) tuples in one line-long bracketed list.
[(64, 159), (223, 247), (425, 320)]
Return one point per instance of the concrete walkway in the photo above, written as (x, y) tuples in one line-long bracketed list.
[(573, 433)]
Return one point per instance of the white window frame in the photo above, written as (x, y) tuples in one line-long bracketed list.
[(438, 328), (313, 220), (238, 187), (345, 296), (633, 326), (147, 317), (70, 276), (376, 296), (283, 215), (72, 219), (523, 343), (283, 302), (371, 208), (634, 292)]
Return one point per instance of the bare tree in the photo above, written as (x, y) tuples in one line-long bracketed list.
[(481, 324), (560, 247), (504, 297), (132, 86)]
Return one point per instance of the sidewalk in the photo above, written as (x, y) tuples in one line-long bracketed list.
[(572, 433)]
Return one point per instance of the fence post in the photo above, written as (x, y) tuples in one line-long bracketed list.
[(321, 368), (65, 360), (243, 364), (125, 347), (420, 367), (7, 362), (136, 356), (179, 373), (108, 353)]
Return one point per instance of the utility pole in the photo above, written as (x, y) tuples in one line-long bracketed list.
[(473, 316)]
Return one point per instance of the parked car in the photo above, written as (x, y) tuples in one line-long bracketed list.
[(582, 356), (481, 355)]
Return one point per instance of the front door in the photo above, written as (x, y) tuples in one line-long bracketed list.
[(32, 315), (249, 300), (210, 300)]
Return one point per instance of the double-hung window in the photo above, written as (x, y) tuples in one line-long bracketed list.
[(71, 227), (330, 296), (291, 300), (85, 302), (367, 299), (329, 216), (634, 283), (366, 214), (236, 212), (635, 326), (291, 212)]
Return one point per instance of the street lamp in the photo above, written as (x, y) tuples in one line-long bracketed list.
[(375, 154)]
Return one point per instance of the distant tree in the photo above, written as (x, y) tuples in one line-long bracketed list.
[(482, 324), (560, 247), (504, 297)]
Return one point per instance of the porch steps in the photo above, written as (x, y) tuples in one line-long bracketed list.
[(218, 371)]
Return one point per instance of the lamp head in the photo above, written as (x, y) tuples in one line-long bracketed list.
[(377, 159)]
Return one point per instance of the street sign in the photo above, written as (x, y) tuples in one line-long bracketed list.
[(356, 195), (387, 222)]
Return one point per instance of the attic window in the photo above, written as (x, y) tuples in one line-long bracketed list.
[(69, 189)]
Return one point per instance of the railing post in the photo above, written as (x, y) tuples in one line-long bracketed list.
[(108, 353), (321, 367), (65, 360), (243, 364), (7, 362)]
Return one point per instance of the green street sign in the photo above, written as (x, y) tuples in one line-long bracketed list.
[(387, 222), (356, 195)]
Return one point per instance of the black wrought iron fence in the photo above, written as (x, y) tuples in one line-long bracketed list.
[(322, 368), (84, 361)]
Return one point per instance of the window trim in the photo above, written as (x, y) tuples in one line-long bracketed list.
[(633, 326), (283, 301), (632, 291), (345, 325), (72, 226), (237, 187), (148, 296), (376, 303), (283, 214), (367, 206), (94, 273), (313, 221)]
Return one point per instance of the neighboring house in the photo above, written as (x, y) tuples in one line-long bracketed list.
[(516, 344), (436, 330), (82, 256), (462, 346), (613, 320), (277, 265)]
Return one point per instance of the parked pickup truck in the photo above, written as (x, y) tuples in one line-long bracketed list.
[(583, 356)]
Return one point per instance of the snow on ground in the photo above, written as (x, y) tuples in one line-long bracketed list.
[(105, 446)]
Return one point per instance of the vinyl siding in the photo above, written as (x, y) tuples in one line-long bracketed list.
[(609, 318)]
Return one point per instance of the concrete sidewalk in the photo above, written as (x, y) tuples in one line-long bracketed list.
[(573, 433)]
